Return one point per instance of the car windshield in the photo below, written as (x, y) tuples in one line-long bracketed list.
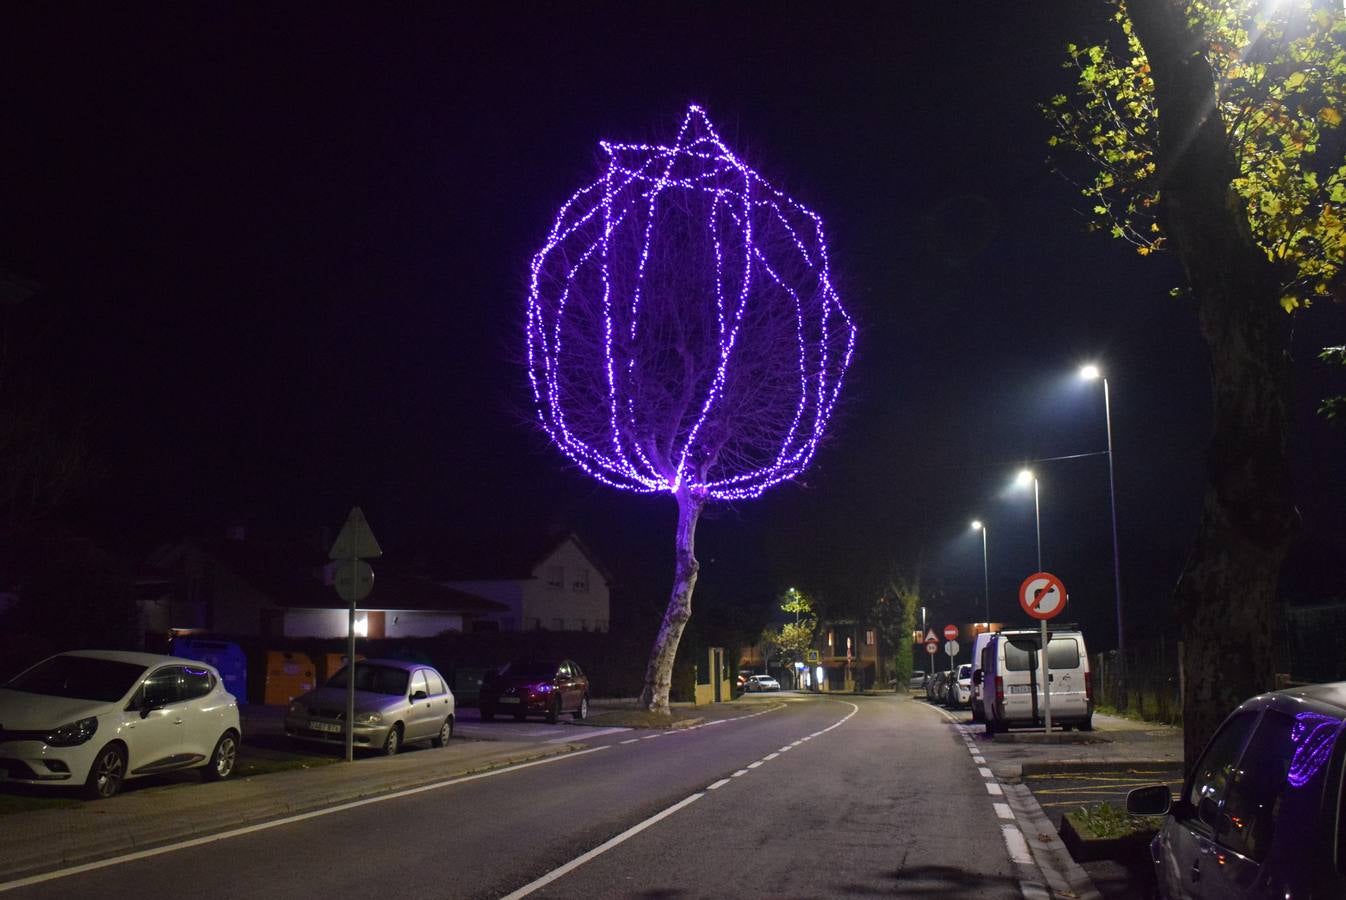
[(523, 669), (374, 679), (964, 671), (79, 677)]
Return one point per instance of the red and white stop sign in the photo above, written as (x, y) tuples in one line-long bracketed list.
[(950, 632)]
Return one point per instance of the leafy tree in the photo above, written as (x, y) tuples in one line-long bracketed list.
[(792, 639), (894, 618), (1212, 128)]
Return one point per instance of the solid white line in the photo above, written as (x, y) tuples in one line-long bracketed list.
[(993, 789), (719, 784), (600, 849), (1016, 845), (276, 823), (1003, 810), (586, 735)]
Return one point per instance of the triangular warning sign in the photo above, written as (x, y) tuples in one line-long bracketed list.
[(355, 541), (930, 635)]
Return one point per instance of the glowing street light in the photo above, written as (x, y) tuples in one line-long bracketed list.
[(1091, 372), (1024, 479), (978, 525)]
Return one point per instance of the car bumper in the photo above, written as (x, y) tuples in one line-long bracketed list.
[(319, 731), (512, 704), (33, 762)]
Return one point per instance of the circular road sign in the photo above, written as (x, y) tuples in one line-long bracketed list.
[(951, 648), (353, 580), (950, 632), (931, 647), (1042, 595)]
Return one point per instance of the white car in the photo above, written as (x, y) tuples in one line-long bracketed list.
[(94, 718), (761, 683)]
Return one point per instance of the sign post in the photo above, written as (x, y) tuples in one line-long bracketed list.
[(353, 580), (1043, 596)]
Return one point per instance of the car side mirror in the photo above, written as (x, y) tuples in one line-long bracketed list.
[(978, 676), (419, 695), (1154, 800)]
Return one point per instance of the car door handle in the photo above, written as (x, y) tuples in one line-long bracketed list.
[(1196, 871)]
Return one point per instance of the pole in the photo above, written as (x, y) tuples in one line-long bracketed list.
[(1037, 520), (1046, 672), (350, 679), (931, 655), (1116, 556), (986, 579)]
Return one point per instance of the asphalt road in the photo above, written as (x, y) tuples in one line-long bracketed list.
[(810, 797)]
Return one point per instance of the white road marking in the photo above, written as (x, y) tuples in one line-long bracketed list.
[(630, 740), (601, 849), (993, 789), (984, 772), (1016, 845), (979, 760), (770, 756), (584, 736), (719, 784), (739, 772), (275, 823), (1003, 810), (753, 765)]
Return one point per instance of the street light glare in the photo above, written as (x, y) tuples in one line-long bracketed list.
[(1090, 372), (976, 524), (1024, 478)]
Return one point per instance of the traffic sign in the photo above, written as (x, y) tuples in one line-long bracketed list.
[(931, 647), (950, 632), (353, 580), (1042, 595), (930, 636), (811, 656), (951, 648), (355, 541)]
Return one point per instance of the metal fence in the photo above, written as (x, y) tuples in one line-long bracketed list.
[(1153, 681)]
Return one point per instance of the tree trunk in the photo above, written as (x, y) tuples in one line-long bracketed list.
[(1226, 594), (659, 672)]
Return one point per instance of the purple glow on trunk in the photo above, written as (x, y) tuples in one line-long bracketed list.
[(683, 330)]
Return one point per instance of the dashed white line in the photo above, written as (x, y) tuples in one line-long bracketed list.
[(630, 740), (984, 772), (753, 765), (979, 760), (719, 784), (993, 789), (739, 772), (1017, 846), (770, 756), (1003, 810)]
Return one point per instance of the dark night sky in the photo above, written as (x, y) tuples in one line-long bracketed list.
[(284, 253)]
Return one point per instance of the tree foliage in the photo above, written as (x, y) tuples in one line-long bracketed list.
[(792, 639), (1280, 82)]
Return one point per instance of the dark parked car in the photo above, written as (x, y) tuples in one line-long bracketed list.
[(1261, 814), (535, 687)]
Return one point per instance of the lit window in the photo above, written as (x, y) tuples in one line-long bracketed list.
[(869, 637)]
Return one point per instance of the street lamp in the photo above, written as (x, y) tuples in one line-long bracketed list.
[(978, 525), (1023, 479), (931, 655), (1091, 373)]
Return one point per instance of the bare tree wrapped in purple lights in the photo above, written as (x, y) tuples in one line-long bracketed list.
[(684, 337)]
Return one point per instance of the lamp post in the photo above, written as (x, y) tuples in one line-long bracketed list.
[(930, 655), (1023, 479), (978, 525), (1091, 373)]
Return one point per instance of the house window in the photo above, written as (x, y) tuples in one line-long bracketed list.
[(831, 639), (555, 577), (581, 583), (869, 637)]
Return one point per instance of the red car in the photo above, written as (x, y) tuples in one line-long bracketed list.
[(527, 687)]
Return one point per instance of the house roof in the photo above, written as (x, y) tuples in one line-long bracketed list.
[(298, 575), (499, 556)]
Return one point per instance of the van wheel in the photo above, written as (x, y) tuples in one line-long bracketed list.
[(1087, 724)]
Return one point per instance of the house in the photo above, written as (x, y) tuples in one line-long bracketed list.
[(848, 656), (545, 582), (255, 588)]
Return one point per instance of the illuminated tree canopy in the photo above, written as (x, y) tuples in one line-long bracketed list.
[(683, 330)]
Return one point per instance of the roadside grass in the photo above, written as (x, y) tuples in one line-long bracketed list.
[(1105, 821), (1139, 715)]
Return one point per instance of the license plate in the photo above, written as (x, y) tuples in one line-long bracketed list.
[(325, 726), (509, 699), (1021, 689)]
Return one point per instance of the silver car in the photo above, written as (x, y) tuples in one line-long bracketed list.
[(396, 703)]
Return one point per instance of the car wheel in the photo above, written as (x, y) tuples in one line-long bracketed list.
[(1087, 724), (554, 711), (393, 742), (583, 712), (107, 773), (223, 760), (445, 733)]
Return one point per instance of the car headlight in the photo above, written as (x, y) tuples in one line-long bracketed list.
[(369, 718), (73, 734)]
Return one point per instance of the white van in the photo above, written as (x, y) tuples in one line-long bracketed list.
[(978, 645), (1011, 689)]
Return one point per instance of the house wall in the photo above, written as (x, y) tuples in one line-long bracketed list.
[(566, 593), (330, 623)]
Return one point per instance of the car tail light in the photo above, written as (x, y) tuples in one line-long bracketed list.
[(999, 689), (1088, 685)]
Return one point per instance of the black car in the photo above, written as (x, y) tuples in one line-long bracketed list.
[(523, 687)]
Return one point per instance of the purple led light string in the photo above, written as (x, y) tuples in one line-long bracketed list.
[(582, 302)]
